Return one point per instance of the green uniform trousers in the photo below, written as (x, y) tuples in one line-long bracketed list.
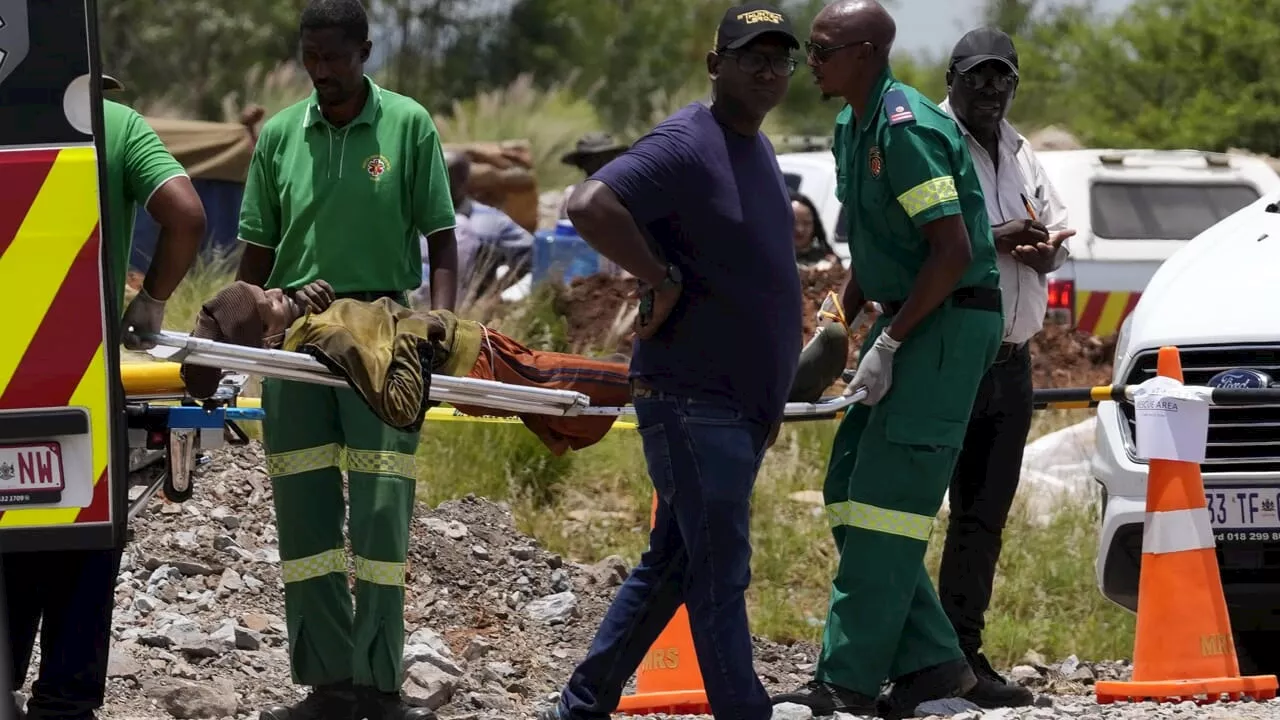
[(889, 470), (309, 429)]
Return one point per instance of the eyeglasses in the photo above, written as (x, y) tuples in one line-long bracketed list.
[(998, 81), (821, 54), (753, 62)]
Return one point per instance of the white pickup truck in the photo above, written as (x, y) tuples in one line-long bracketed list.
[(1131, 210), (1218, 300)]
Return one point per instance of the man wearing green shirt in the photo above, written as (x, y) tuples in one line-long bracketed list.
[(920, 246), (71, 608), (339, 187)]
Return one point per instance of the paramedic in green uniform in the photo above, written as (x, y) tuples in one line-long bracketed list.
[(921, 246), (340, 186)]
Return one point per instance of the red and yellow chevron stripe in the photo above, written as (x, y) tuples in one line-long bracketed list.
[(1100, 312), (51, 298)]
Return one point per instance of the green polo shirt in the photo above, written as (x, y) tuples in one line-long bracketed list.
[(347, 204), (137, 165), (902, 166)]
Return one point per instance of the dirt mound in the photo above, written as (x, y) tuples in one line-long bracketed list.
[(495, 623), (1062, 357)]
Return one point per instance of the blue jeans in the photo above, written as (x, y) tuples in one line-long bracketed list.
[(702, 458)]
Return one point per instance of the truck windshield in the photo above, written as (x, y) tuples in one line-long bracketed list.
[(1163, 211)]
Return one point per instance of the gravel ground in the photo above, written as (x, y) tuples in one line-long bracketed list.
[(496, 623)]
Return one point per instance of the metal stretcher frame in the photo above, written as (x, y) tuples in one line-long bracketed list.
[(444, 388)]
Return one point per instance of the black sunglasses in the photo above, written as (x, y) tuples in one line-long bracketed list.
[(821, 54), (998, 81), (751, 62)]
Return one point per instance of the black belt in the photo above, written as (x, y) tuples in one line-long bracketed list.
[(371, 295), (1008, 351), (970, 298)]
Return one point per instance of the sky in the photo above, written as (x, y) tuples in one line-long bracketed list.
[(934, 26)]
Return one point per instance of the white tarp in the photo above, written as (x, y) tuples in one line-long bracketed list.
[(1055, 469)]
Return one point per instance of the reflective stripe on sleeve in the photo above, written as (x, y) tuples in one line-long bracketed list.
[(928, 194)]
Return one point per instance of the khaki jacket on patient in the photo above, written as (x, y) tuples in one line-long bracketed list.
[(382, 348)]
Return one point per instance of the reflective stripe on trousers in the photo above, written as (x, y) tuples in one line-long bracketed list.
[(877, 519), (373, 462)]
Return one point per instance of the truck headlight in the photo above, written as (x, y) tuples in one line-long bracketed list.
[(1120, 361)]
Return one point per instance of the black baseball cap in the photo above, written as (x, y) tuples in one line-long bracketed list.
[(743, 23), (981, 45)]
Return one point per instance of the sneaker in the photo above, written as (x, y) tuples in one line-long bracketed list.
[(549, 713), (372, 704), (826, 699), (951, 679), (326, 702), (992, 690)]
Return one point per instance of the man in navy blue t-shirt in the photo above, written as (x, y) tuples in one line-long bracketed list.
[(698, 210)]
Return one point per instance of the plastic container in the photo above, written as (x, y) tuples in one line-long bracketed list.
[(562, 255)]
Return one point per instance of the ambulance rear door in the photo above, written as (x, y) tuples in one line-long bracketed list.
[(63, 439)]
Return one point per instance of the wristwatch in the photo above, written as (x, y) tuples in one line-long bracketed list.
[(672, 277)]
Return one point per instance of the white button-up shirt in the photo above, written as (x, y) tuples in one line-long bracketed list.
[(1020, 175)]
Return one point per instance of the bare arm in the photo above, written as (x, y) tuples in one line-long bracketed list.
[(255, 264), (442, 255), (608, 227), (177, 209), (949, 257), (851, 296)]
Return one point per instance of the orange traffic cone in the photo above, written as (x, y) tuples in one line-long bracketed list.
[(1182, 647), (668, 679)]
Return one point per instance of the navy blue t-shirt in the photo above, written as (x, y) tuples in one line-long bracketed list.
[(715, 204)]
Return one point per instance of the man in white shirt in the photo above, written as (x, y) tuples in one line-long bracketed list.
[(1029, 225)]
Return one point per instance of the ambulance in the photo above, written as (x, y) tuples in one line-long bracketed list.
[(63, 433), (72, 416)]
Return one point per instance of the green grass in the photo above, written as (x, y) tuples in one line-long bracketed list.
[(590, 504)]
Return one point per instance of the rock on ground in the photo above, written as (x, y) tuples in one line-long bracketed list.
[(199, 629)]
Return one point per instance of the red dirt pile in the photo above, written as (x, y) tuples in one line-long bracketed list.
[(1061, 357)]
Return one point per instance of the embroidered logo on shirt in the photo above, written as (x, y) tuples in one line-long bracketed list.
[(875, 160), (376, 166)]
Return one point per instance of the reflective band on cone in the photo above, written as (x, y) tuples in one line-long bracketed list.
[(1176, 531)]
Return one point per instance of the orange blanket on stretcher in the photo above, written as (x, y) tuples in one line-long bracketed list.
[(507, 361)]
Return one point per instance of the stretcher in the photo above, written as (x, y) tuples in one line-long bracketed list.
[(166, 424)]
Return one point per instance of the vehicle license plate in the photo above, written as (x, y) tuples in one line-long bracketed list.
[(31, 474), (1244, 514)]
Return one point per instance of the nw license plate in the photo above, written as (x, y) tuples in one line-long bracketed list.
[(1248, 514), (31, 474)]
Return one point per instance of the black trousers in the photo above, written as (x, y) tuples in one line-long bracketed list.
[(982, 490), (73, 592)]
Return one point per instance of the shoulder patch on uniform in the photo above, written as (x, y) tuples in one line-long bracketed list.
[(897, 109)]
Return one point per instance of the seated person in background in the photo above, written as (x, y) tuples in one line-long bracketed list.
[(388, 353), (809, 236)]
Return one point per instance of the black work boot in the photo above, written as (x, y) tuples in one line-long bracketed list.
[(826, 699), (373, 704), (992, 690), (326, 702), (952, 679)]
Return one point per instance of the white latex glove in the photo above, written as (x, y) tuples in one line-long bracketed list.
[(875, 369), (144, 315)]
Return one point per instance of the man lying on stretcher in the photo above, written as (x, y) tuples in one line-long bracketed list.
[(387, 354)]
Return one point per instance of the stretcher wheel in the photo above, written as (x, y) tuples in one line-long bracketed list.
[(174, 494)]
